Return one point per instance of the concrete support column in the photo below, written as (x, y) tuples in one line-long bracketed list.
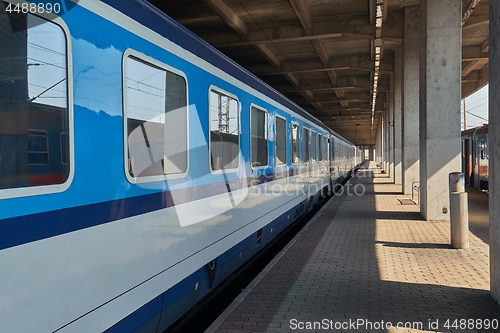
[(397, 98), (390, 127), (386, 141), (387, 132), (371, 156), (494, 149), (384, 127), (410, 115), (381, 133), (380, 144), (377, 146), (440, 96)]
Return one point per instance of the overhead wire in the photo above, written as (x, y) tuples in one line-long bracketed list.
[(475, 115), (477, 106), (477, 101)]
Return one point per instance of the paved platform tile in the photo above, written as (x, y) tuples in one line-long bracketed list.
[(370, 259)]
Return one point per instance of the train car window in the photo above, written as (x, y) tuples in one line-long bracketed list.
[(295, 143), (313, 146), (326, 149), (258, 134), (224, 131), (320, 147), (483, 149), (33, 101), (156, 120), (305, 145), (280, 141)]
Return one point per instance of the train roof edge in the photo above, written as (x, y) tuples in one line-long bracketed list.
[(475, 130)]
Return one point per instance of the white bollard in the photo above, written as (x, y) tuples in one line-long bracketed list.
[(457, 182), (459, 220), (459, 211)]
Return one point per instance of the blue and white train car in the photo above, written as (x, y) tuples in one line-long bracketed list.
[(139, 166)]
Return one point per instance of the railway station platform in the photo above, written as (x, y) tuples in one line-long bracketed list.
[(370, 263)]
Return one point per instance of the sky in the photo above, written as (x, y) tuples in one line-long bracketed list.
[(476, 106)]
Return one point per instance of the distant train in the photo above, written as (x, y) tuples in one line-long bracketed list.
[(139, 167), (475, 157)]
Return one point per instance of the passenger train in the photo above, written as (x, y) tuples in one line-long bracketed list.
[(139, 167), (475, 157)]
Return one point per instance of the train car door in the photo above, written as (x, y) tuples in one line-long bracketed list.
[(483, 163), (467, 161), (475, 166)]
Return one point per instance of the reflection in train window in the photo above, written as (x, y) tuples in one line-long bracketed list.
[(258, 133), (280, 141), (33, 101), (295, 143), (224, 131), (305, 145), (38, 147), (156, 119)]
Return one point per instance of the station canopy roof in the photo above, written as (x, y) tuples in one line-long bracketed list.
[(331, 57)]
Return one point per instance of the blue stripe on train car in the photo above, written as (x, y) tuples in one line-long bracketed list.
[(167, 308)]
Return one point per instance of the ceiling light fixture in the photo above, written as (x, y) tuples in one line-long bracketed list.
[(378, 55)]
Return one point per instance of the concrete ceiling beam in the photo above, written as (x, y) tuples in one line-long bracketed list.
[(224, 12), (470, 53), (353, 29), (351, 62)]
